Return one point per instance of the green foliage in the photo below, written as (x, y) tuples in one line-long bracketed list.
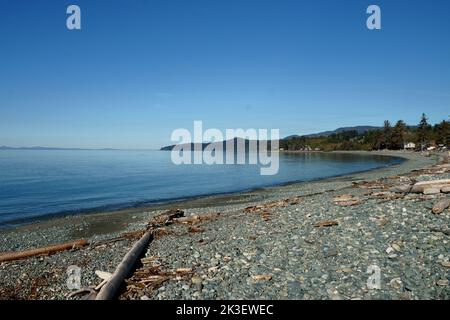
[(386, 138)]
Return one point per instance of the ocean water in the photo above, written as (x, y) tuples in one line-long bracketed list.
[(35, 183)]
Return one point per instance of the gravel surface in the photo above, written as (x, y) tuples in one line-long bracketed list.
[(271, 251)]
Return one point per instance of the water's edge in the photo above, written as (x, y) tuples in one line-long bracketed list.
[(399, 160)]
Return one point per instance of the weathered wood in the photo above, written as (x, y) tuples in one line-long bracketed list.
[(326, 223), (123, 236), (349, 203), (81, 291), (44, 250), (431, 190), (196, 218), (111, 288), (168, 216), (435, 184), (405, 188), (441, 205)]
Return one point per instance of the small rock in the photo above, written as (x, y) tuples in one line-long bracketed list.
[(262, 277), (329, 252), (401, 189), (396, 283), (428, 191), (196, 280), (333, 294), (442, 282)]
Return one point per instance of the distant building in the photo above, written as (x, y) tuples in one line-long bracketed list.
[(409, 146)]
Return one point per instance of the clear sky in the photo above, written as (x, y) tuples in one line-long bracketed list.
[(140, 69)]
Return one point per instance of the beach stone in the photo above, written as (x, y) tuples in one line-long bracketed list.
[(429, 191), (196, 280), (396, 283), (446, 189), (333, 294), (443, 282), (401, 189), (329, 251)]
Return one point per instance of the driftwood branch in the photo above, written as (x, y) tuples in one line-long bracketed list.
[(110, 289), (44, 250), (196, 218), (441, 205)]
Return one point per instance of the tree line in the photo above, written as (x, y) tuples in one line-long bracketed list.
[(421, 136)]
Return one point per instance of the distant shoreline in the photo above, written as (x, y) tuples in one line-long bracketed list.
[(205, 200)]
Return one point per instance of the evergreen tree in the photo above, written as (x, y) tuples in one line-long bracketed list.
[(442, 133), (423, 131), (387, 135), (397, 136)]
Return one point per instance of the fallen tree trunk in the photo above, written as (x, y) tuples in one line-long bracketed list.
[(441, 205), (110, 289), (44, 250)]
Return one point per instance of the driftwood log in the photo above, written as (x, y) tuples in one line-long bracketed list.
[(44, 250), (441, 205), (111, 288), (420, 187)]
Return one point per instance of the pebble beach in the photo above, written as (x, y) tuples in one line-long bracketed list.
[(312, 240)]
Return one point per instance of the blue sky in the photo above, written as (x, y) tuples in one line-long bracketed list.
[(139, 69)]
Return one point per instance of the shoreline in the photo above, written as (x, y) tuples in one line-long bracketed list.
[(264, 244), (150, 205), (93, 223)]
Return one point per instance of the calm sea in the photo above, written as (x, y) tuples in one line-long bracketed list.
[(36, 183)]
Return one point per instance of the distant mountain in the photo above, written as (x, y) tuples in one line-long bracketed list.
[(358, 129), (294, 136), (202, 146)]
